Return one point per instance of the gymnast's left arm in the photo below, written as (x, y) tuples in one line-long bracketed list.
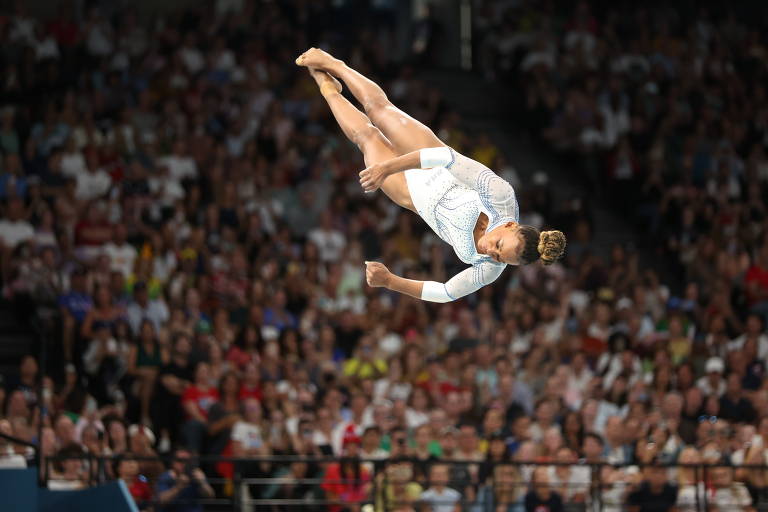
[(465, 282)]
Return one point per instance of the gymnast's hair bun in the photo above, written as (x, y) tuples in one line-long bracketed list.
[(551, 246)]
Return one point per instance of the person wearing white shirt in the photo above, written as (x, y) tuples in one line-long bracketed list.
[(712, 383), (72, 160), (180, 165), (92, 184), (754, 330), (330, 242), (727, 494), (13, 228), (142, 308), (579, 376), (439, 497), (247, 435), (122, 255)]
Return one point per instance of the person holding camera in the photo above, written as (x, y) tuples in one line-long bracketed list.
[(180, 488)]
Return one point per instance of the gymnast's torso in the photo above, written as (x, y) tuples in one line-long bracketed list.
[(450, 196)]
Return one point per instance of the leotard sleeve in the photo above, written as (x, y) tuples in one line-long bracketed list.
[(465, 282), (496, 194)]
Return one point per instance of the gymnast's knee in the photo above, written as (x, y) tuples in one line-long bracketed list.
[(364, 135), (376, 103)]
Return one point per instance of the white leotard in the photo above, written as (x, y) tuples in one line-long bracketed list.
[(449, 193)]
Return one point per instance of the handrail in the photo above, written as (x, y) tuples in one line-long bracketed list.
[(16, 440), (238, 483)]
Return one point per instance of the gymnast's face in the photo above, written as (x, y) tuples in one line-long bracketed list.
[(503, 244)]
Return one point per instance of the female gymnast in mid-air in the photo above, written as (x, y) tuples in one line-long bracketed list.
[(464, 202)]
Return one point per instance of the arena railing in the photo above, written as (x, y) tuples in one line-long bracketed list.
[(390, 486)]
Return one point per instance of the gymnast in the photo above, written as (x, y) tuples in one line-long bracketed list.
[(466, 204)]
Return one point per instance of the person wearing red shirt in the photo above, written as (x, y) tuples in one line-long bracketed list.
[(347, 481), (251, 385), (756, 283), (127, 470), (197, 401)]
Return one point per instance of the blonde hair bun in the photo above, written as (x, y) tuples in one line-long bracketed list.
[(551, 246)]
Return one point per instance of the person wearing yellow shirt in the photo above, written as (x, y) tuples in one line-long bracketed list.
[(364, 364)]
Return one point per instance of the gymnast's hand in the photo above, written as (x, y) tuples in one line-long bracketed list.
[(372, 177), (376, 274)]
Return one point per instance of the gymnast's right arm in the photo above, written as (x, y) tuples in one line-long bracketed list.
[(471, 173), (465, 282)]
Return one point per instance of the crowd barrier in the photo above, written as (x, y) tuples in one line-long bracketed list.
[(303, 483)]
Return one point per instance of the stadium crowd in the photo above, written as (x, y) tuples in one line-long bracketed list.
[(179, 204)]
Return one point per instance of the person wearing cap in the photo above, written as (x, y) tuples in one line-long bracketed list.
[(348, 480), (712, 383), (140, 442)]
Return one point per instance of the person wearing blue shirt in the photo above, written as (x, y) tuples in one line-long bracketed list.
[(179, 489)]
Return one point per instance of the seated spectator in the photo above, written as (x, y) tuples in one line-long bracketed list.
[(179, 488), (127, 470), (728, 494), (69, 473), (712, 383), (395, 486), (172, 381), (9, 456), (654, 493), (439, 497), (571, 482), (249, 437), (505, 491), (290, 485), (541, 497), (197, 401), (105, 361), (143, 309), (690, 494), (140, 443), (755, 479), (347, 481), (733, 404), (364, 363)]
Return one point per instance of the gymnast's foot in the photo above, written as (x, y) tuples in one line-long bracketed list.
[(328, 84), (317, 58)]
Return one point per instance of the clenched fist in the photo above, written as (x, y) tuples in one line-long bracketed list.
[(376, 274), (372, 178)]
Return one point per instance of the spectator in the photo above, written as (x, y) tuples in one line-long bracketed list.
[(712, 382), (654, 492), (142, 308), (179, 488), (347, 481), (197, 400), (173, 379), (68, 474), (506, 490), (690, 483), (439, 497), (541, 496), (122, 255), (127, 470), (727, 493)]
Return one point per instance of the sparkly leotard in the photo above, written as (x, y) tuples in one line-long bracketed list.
[(449, 193)]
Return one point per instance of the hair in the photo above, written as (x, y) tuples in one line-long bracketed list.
[(592, 435), (549, 246)]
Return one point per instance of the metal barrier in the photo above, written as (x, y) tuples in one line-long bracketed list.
[(317, 483)]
